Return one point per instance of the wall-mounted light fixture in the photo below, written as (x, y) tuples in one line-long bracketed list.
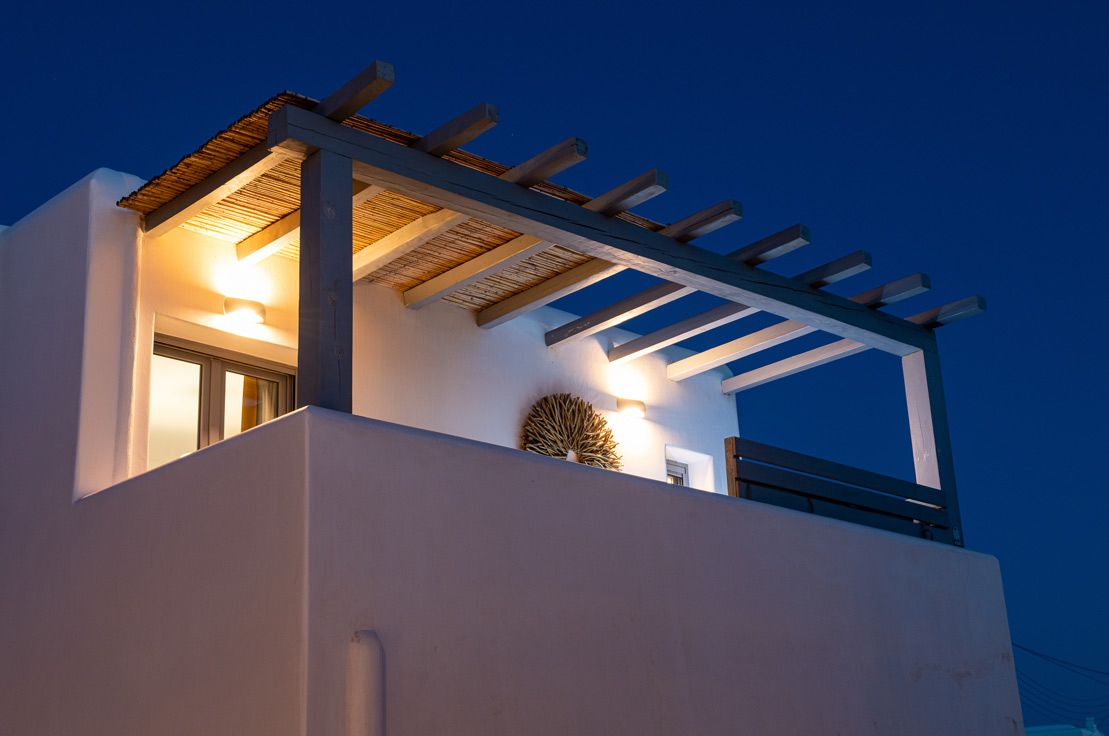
[(631, 408), (244, 310)]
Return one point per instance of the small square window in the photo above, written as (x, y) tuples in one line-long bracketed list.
[(677, 474)]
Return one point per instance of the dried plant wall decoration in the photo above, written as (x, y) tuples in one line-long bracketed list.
[(561, 425)]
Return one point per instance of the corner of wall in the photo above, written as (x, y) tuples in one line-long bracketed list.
[(110, 335)]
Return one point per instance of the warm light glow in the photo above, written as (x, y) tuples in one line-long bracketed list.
[(244, 310), (174, 409), (631, 408), (243, 281), (627, 379)]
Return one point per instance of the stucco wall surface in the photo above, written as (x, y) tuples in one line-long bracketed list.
[(435, 369), (431, 368), (67, 296), (518, 594), (172, 604)]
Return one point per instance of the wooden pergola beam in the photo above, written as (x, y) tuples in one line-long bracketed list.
[(773, 246), (949, 313), (554, 160), (402, 241), (784, 332), (793, 364), (661, 294), (518, 249), (223, 183), (460, 131), (635, 192), (501, 203), (272, 238), (473, 270), (546, 292), (370, 82), (360, 91), (592, 272), (819, 277), (447, 137), (945, 315), (894, 291), (748, 344), (704, 222), (417, 233)]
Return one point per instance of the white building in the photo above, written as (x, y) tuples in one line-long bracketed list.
[(384, 559)]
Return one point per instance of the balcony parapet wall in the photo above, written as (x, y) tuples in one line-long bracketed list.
[(514, 593), (509, 592)]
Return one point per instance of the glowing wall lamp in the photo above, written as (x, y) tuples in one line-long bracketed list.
[(244, 310), (631, 408)]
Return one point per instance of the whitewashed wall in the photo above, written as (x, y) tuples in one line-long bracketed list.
[(435, 369), (432, 368), (183, 281)]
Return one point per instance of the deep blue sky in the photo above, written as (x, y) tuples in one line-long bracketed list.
[(965, 140)]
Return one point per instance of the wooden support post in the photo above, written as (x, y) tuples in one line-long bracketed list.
[(929, 429), (325, 344)]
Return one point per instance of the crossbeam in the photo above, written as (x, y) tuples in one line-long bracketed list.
[(501, 203), (345, 102), (223, 183), (546, 292), (945, 315), (588, 274), (523, 247), (748, 344), (554, 160), (360, 91), (447, 137), (272, 238), (404, 240), (460, 131), (417, 233), (819, 277), (661, 294)]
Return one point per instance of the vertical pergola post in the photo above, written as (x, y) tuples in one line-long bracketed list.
[(929, 429), (326, 336)]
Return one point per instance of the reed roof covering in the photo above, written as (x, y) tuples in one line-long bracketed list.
[(276, 193)]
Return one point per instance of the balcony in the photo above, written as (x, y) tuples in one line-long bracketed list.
[(510, 593), (759, 472)]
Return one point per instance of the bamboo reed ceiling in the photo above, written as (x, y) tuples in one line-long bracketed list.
[(276, 194)]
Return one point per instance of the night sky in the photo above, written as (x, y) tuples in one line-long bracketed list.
[(964, 140)]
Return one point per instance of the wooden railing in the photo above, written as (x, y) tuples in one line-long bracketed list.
[(789, 479)]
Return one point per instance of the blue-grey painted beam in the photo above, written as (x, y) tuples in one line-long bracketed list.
[(504, 204)]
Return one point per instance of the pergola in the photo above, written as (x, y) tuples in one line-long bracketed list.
[(353, 199)]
